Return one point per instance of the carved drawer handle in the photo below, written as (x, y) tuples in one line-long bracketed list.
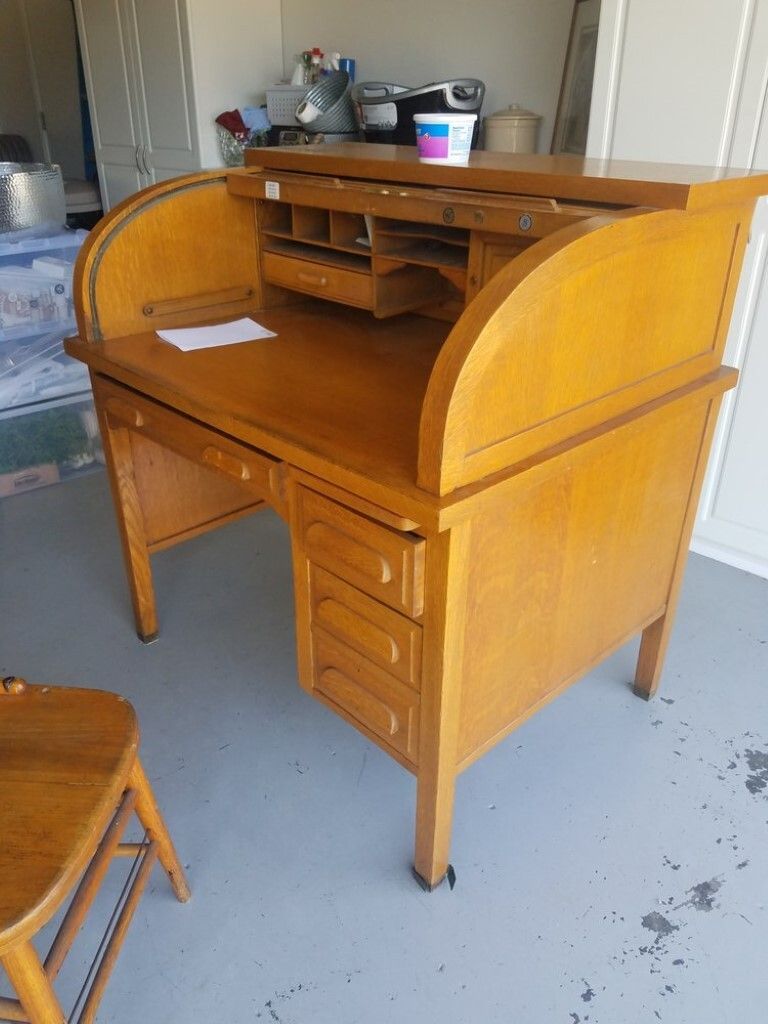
[(125, 412), (317, 279), (228, 464)]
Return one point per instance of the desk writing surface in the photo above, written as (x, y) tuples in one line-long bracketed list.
[(334, 383)]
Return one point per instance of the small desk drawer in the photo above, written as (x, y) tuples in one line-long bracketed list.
[(256, 471), (321, 279), (382, 705), (381, 562), (382, 635)]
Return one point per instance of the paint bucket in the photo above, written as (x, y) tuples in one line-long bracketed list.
[(444, 138)]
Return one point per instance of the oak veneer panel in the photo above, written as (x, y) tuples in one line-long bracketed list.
[(582, 325), (178, 496), (140, 256), (572, 564)]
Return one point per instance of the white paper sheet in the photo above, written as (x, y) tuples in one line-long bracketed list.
[(190, 339)]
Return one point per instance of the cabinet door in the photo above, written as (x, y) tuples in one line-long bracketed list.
[(108, 64), (164, 86)]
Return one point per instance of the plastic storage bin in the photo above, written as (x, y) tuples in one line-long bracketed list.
[(44, 445), (47, 424), (282, 101)]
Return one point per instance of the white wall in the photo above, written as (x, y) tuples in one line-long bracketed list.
[(18, 110), (687, 82), (517, 47), (236, 55)]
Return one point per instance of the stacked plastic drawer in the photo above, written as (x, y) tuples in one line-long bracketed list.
[(47, 424)]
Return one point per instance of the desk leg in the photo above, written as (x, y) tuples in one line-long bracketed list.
[(130, 521), (444, 623), (655, 640)]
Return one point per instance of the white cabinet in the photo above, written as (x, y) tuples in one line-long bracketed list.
[(136, 56), (705, 102), (158, 72)]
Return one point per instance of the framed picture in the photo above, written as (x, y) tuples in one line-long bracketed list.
[(572, 120)]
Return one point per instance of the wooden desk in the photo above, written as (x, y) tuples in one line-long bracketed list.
[(486, 416)]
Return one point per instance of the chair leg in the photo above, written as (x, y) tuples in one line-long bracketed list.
[(32, 986), (149, 815)]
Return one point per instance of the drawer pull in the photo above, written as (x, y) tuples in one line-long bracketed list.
[(315, 279), (359, 702), (352, 626), (228, 464), (125, 412)]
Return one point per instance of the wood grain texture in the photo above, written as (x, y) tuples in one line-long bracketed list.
[(603, 316), (479, 513)]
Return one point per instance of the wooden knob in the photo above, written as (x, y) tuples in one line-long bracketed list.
[(12, 684)]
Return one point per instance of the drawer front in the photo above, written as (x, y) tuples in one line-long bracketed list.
[(385, 708), (382, 635), (381, 562), (257, 472), (321, 279)]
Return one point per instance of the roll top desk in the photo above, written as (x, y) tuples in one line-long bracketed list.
[(485, 416)]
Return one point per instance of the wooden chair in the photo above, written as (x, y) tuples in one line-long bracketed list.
[(70, 779)]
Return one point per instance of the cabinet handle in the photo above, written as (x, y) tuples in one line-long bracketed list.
[(317, 279), (147, 168)]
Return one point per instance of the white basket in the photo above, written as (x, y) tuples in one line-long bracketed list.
[(282, 101)]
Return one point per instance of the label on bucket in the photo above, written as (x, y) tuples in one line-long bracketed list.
[(379, 115), (441, 140)]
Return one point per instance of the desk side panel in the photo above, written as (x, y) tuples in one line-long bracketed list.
[(572, 562), (585, 325), (182, 252)]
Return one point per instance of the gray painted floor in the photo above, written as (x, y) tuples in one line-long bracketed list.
[(611, 856)]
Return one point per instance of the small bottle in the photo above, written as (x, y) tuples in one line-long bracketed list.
[(317, 57)]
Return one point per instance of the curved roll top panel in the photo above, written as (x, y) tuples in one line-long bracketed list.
[(585, 325), (183, 251)]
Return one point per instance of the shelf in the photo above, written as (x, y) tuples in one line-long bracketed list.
[(426, 253), (408, 229), (355, 248), (318, 253)]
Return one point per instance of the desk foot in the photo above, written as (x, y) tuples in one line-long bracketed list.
[(450, 875), (148, 638)]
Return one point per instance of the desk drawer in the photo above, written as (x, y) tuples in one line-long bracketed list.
[(321, 279), (366, 695), (380, 634), (381, 562), (256, 471)]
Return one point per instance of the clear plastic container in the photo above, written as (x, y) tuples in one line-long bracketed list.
[(45, 445), (36, 369)]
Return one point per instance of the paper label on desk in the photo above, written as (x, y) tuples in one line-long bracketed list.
[(272, 189), (190, 339)]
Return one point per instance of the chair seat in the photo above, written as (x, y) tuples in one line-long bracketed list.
[(65, 756)]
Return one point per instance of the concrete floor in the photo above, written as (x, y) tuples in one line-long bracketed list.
[(611, 855)]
